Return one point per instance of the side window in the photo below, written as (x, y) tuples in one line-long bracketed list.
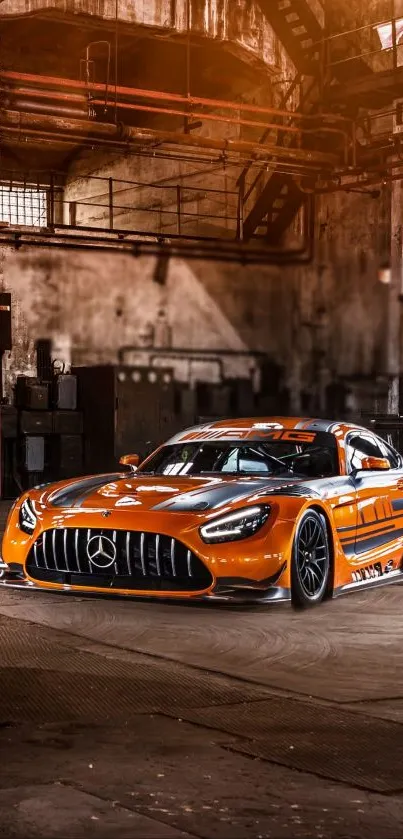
[(393, 456), (360, 446), (230, 463)]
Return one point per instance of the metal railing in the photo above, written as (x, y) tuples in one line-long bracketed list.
[(379, 43), (113, 204), (161, 208), (95, 208)]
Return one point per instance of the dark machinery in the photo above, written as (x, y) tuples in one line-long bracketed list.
[(42, 433), (126, 410)]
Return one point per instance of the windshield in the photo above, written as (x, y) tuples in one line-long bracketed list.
[(254, 458)]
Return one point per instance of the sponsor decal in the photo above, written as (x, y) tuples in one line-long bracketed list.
[(235, 434), (267, 426), (127, 501), (372, 572), (294, 436), (217, 434)]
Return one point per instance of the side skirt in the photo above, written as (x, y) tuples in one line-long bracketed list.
[(385, 580)]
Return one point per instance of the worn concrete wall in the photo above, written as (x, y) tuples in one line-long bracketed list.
[(106, 301), (239, 23), (326, 319)]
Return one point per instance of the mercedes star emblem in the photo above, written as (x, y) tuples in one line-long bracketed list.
[(101, 551)]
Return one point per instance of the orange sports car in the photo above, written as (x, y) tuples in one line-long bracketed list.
[(265, 509)]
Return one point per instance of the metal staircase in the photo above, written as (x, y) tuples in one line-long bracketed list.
[(301, 33), (276, 208), (298, 29), (278, 197)]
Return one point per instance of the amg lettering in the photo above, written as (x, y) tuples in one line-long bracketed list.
[(216, 434), (235, 434), (288, 436)]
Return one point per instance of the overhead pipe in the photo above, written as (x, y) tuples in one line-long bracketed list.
[(48, 101), (89, 140), (188, 250), (189, 101), (13, 101), (131, 93), (285, 167), (33, 92), (129, 106), (231, 120), (131, 134), (51, 109), (169, 97)]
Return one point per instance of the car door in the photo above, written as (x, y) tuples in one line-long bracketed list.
[(396, 486), (378, 540)]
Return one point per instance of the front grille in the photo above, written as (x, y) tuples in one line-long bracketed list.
[(116, 559)]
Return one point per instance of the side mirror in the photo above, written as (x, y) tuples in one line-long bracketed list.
[(375, 463), (131, 460)]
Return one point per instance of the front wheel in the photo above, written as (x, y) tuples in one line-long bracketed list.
[(310, 564)]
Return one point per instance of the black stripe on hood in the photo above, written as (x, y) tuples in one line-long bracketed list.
[(75, 493), (214, 497)]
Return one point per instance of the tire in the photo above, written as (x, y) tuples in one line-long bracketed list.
[(310, 563)]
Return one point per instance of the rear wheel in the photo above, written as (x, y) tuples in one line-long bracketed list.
[(310, 565)]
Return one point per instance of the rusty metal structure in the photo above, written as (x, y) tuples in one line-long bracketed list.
[(336, 127)]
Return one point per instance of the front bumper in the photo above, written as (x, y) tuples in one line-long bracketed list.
[(238, 571), (229, 591), (14, 577)]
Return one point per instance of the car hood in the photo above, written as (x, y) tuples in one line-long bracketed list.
[(170, 494)]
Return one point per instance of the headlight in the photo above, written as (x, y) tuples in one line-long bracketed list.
[(235, 526), (27, 519)]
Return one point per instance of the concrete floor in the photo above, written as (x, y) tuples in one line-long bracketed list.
[(132, 718)]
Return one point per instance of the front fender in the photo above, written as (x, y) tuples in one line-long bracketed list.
[(290, 512)]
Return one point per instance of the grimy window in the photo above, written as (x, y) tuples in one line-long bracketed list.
[(23, 205)]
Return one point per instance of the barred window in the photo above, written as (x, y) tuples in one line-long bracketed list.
[(22, 205)]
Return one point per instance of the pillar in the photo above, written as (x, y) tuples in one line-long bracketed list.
[(393, 326)]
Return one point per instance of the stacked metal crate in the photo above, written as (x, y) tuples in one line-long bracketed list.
[(44, 430)]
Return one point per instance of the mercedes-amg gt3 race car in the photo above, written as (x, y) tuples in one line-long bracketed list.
[(271, 509)]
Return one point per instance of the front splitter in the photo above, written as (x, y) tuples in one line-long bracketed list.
[(240, 597)]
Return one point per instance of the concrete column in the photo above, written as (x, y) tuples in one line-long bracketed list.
[(2, 264), (394, 331), (393, 327)]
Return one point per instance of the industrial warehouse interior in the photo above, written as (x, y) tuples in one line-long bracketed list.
[(201, 419)]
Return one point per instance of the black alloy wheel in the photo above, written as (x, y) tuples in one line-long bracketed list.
[(310, 566)]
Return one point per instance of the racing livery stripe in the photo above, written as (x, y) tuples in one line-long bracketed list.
[(302, 423), (74, 494), (364, 545), (316, 424), (201, 500), (375, 532), (353, 527)]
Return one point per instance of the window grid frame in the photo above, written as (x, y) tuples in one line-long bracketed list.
[(25, 206)]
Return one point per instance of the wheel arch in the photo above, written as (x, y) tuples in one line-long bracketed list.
[(330, 537)]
